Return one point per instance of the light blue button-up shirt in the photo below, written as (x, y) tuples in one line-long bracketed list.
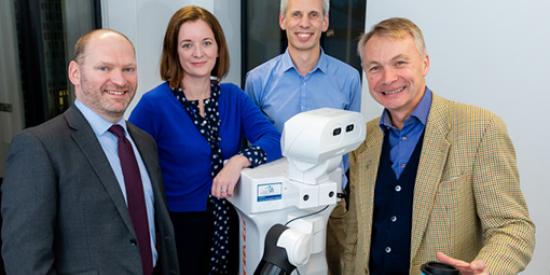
[(277, 87), (109, 143), (403, 141), (281, 92)]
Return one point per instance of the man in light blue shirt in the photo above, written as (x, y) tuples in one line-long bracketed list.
[(304, 77)]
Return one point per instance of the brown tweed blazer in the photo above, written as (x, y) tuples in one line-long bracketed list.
[(467, 197)]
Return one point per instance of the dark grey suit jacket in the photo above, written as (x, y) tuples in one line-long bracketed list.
[(63, 210)]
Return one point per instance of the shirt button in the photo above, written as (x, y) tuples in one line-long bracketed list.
[(393, 218), (403, 165), (404, 138), (388, 249), (397, 188)]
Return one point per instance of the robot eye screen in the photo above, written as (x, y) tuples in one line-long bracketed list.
[(322, 133), (338, 131)]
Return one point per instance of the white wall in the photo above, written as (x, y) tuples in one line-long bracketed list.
[(494, 54), (228, 13), (144, 22)]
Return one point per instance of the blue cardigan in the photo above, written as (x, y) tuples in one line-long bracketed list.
[(185, 154)]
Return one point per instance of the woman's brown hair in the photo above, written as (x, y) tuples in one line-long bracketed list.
[(170, 67)]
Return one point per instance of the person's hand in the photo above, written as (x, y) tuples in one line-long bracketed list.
[(476, 267), (224, 182)]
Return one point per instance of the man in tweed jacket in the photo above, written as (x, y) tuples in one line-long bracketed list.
[(434, 180)]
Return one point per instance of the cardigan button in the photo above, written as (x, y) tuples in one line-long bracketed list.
[(397, 188), (388, 249)]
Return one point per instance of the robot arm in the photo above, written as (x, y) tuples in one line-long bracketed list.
[(285, 248), (297, 242)]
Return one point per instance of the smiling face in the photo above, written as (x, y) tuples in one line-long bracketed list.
[(396, 72), (105, 76), (304, 22), (197, 49)]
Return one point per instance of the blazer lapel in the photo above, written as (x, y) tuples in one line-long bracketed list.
[(430, 169), (85, 138), (368, 158)]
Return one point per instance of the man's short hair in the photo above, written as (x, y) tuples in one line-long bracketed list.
[(284, 6), (397, 28), (80, 45), (170, 67)]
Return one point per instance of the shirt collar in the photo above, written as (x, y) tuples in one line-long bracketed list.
[(420, 112), (287, 64), (99, 124)]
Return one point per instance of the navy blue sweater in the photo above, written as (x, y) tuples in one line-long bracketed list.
[(392, 217)]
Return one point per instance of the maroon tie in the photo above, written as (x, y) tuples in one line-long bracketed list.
[(134, 197)]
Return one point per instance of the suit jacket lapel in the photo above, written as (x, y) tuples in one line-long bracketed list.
[(85, 138), (430, 169)]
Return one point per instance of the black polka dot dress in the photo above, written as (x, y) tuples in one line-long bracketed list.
[(209, 126)]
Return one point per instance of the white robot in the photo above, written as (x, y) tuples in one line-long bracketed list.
[(284, 205)]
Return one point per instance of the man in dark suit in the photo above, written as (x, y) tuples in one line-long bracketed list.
[(82, 192)]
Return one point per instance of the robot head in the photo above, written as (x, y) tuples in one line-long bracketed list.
[(320, 138)]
